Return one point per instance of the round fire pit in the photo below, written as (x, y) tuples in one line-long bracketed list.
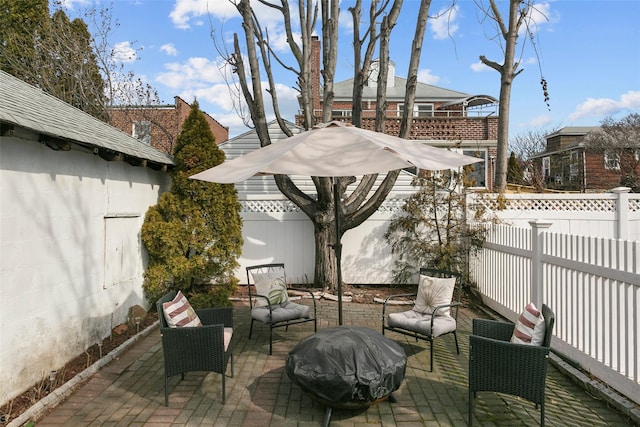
[(347, 367)]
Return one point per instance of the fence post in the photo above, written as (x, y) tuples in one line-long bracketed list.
[(622, 212), (538, 227)]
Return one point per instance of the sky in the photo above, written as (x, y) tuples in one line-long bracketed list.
[(587, 51)]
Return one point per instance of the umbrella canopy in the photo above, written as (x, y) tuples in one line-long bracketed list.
[(335, 149), (332, 150)]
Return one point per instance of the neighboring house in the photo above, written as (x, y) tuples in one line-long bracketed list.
[(73, 195), (567, 164), (160, 125), (441, 117)]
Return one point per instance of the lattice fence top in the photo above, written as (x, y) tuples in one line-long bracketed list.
[(268, 206), (280, 206), (493, 202)]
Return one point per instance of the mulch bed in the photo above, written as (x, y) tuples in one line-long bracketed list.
[(24, 401)]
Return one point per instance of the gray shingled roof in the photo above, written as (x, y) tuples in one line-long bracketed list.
[(573, 130), (424, 92), (26, 106)]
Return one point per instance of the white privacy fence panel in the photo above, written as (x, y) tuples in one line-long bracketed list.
[(596, 284), (615, 214), (502, 269), (591, 283), (275, 230)]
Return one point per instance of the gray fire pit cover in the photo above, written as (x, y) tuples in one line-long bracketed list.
[(347, 366)]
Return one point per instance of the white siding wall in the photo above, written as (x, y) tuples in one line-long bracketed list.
[(63, 215)]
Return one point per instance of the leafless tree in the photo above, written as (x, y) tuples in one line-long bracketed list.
[(525, 146), (519, 18), (357, 206), (620, 140)]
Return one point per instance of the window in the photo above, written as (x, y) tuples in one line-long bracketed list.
[(546, 167), (574, 166), (423, 110), (419, 110), (142, 131), (611, 160), (341, 113), (478, 173)]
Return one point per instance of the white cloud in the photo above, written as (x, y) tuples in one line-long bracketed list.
[(606, 106), (444, 25), (169, 49), (186, 12), (223, 102), (539, 16), (71, 4), (124, 52), (425, 76), (194, 73), (479, 67), (539, 121), (345, 21)]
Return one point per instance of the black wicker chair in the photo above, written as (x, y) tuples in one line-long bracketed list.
[(190, 349), (497, 365), (277, 315), (424, 326)]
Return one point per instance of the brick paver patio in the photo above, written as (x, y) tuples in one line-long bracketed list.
[(130, 390)]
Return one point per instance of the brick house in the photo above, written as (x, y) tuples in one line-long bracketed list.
[(568, 165), (442, 117), (160, 125)]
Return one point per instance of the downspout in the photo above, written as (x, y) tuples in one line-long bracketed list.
[(584, 170)]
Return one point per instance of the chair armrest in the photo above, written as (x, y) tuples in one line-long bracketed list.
[(443, 306), (501, 331), (199, 348), (191, 339), (267, 303), (507, 367), (218, 315), (313, 298), (391, 298)]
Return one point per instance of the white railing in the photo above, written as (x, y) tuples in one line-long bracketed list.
[(591, 283)]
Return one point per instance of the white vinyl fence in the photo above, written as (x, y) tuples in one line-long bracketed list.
[(591, 283), (588, 275), (615, 214)]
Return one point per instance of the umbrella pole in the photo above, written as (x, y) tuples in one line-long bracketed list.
[(338, 246)]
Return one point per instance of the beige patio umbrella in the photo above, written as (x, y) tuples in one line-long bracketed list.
[(333, 150)]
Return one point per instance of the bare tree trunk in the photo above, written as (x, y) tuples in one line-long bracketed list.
[(330, 13), (508, 71), (356, 206), (414, 64)]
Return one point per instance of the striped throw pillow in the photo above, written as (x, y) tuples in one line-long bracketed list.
[(530, 327), (179, 313)]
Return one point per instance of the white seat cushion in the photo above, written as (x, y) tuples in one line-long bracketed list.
[(419, 322), (281, 312)]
